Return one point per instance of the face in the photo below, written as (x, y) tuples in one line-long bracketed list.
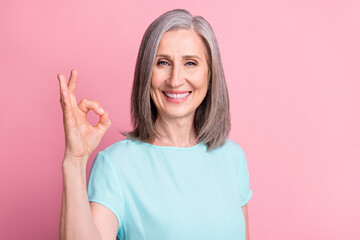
[(180, 74)]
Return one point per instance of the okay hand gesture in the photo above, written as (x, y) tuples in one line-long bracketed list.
[(81, 137)]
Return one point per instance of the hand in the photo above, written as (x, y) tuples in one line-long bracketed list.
[(81, 137)]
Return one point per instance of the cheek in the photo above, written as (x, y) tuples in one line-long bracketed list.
[(154, 93), (157, 78), (154, 80), (201, 81)]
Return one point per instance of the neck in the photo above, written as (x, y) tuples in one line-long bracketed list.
[(177, 132)]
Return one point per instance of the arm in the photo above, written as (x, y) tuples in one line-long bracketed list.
[(105, 221), (246, 218), (78, 220)]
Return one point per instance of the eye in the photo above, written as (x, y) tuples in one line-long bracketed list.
[(162, 63), (191, 63)]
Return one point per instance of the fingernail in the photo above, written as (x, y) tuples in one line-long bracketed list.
[(101, 111)]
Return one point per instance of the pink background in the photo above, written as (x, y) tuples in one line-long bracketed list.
[(293, 75)]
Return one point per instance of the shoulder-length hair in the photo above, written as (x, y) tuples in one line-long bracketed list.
[(212, 117)]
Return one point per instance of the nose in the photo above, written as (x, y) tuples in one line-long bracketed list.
[(176, 77)]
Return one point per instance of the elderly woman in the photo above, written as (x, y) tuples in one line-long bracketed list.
[(176, 175)]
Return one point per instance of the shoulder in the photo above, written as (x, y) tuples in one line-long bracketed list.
[(118, 146), (117, 149), (231, 150), (232, 146), (124, 150)]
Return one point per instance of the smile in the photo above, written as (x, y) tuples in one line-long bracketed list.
[(176, 96)]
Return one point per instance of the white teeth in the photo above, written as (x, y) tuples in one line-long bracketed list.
[(177, 96)]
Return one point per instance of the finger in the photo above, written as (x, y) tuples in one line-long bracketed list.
[(65, 100), (63, 87), (86, 105), (104, 122), (67, 108), (73, 81), (62, 82)]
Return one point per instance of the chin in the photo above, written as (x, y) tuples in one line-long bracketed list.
[(177, 114)]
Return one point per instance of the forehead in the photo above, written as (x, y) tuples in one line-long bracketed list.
[(181, 42)]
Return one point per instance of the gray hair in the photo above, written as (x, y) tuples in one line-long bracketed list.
[(212, 117)]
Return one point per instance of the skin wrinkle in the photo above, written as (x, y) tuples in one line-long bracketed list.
[(173, 71)]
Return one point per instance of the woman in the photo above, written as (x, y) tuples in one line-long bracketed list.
[(176, 175)]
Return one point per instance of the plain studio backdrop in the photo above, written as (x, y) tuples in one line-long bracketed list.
[(293, 74)]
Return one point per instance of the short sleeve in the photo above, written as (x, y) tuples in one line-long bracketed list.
[(104, 186), (245, 190)]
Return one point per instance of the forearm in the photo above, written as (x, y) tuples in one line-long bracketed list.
[(76, 220), (245, 213), (62, 215)]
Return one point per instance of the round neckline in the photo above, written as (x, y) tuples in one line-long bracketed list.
[(167, 147)]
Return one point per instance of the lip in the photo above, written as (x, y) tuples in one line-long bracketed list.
[(176, 92), (176, 100)]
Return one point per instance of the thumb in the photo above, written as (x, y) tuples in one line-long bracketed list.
[(104, 122)]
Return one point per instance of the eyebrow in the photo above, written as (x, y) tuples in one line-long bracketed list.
[(184, 57)]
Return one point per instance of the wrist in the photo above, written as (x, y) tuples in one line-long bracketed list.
[(74, 162)]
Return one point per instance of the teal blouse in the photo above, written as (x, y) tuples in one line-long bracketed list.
[(172, 193)]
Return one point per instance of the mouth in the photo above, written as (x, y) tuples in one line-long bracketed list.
[(176, 94)]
